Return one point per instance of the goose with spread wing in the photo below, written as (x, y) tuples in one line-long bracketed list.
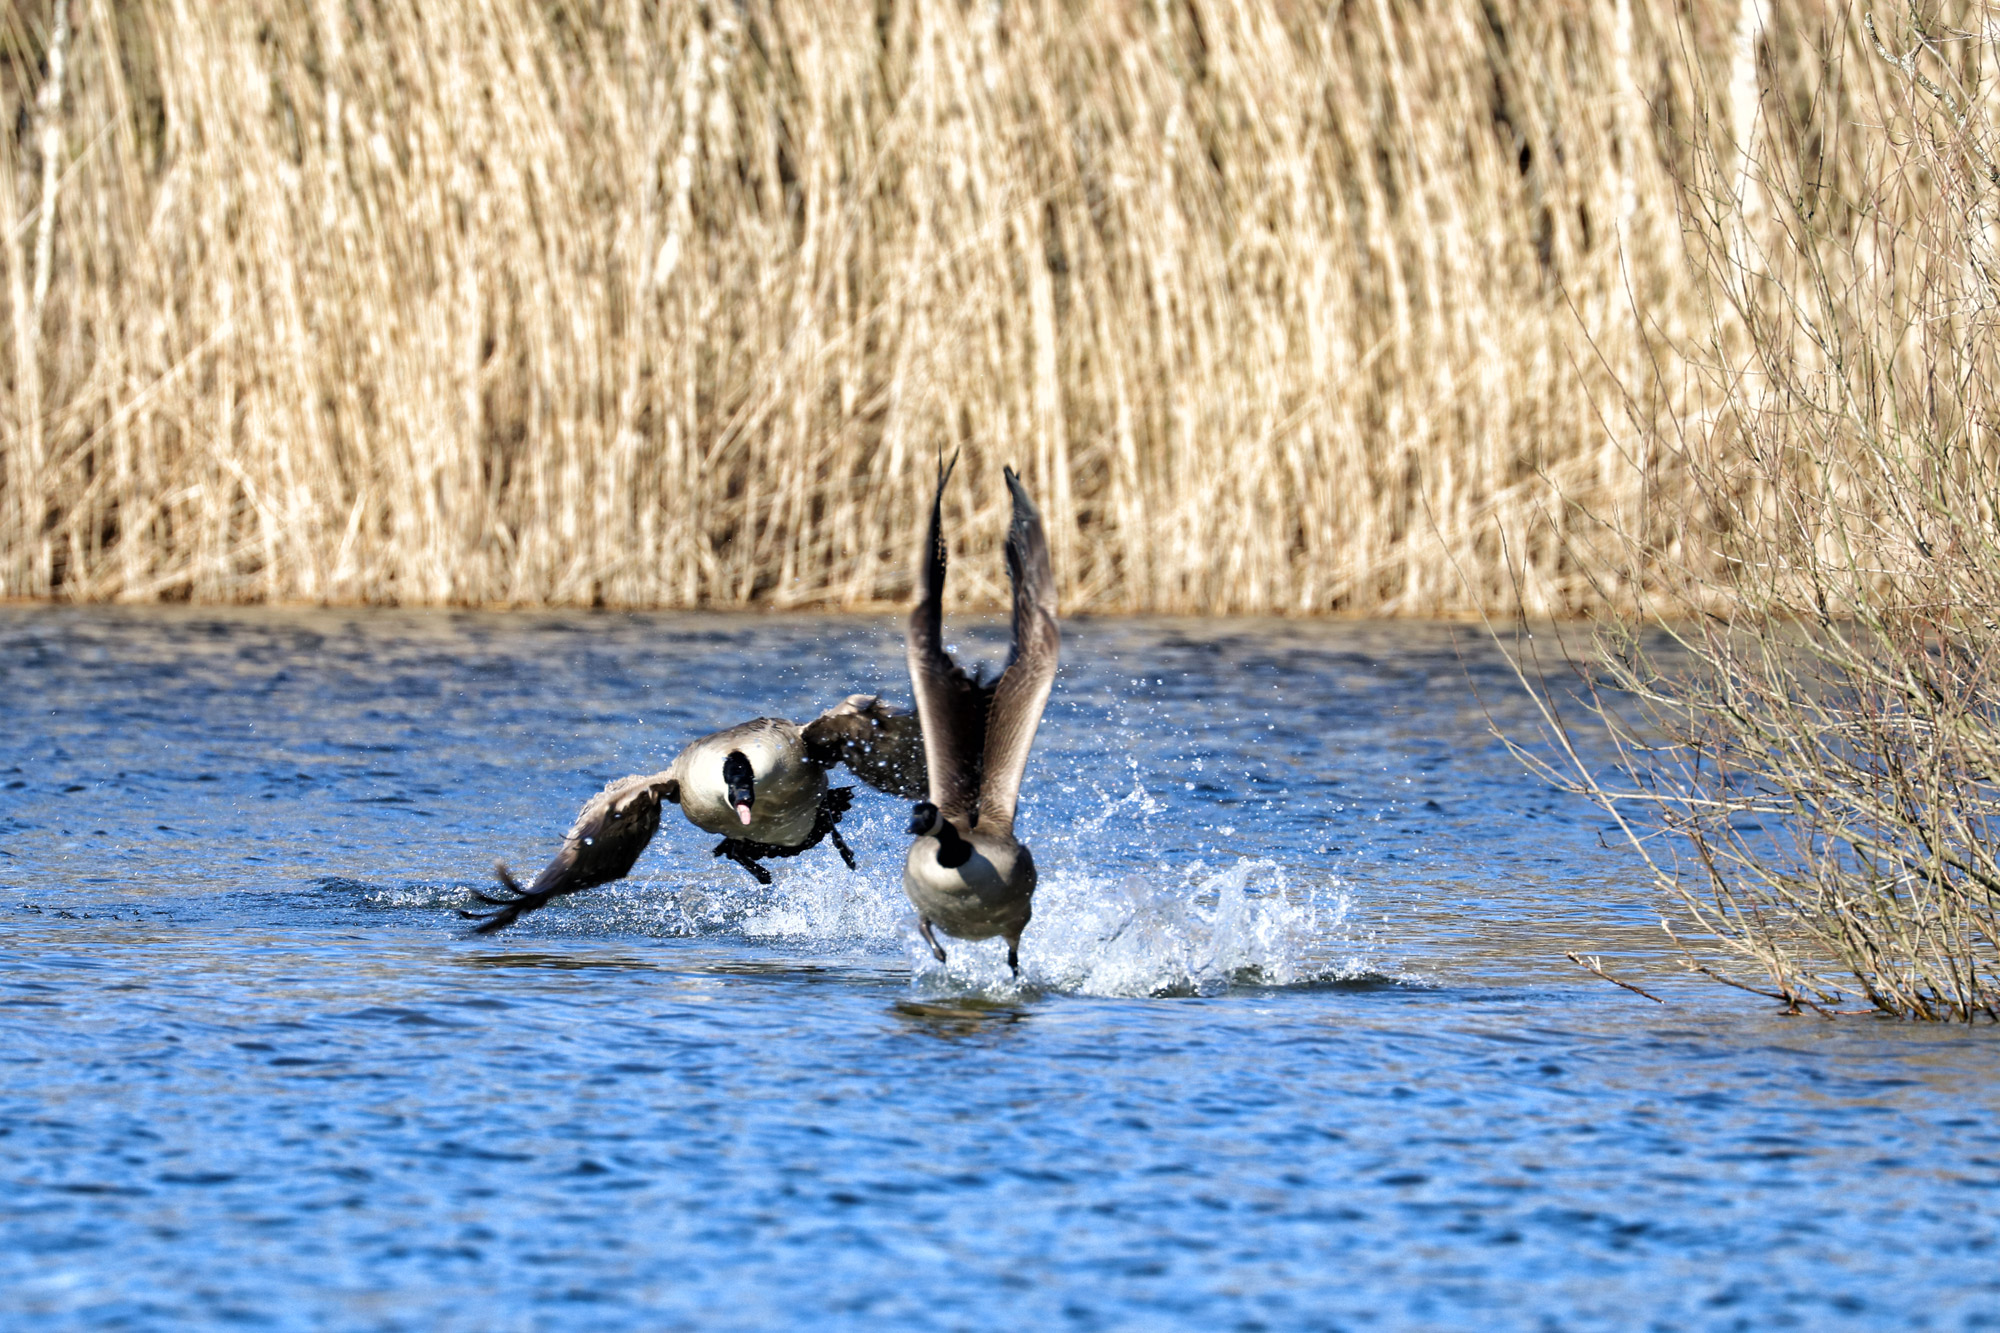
[(761, 785), (966, 873)]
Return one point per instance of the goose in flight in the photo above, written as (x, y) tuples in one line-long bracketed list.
[(761, 785), (965, 873)]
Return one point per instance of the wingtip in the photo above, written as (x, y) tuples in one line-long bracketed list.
[(930, 570), (1026, 529), (1024, 504), (489, 923)]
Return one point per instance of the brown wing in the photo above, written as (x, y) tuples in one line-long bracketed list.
[(882, 746), (1023, 688), (951, 705), (610, 833)]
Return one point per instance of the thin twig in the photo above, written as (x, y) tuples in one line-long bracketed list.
[(1594, 965)]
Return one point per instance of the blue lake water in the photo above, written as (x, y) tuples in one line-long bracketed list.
[(1296, 1046)]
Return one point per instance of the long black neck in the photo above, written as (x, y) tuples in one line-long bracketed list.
[(953, 851)]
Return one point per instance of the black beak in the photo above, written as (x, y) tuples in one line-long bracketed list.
[(737, 779), (921, 818)]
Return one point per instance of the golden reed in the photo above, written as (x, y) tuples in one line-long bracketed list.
[(1279, 307)]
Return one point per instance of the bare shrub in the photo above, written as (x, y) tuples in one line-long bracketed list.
[(1807, 719)]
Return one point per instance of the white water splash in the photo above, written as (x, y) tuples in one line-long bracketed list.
[(1138, 935), (1188, 930)]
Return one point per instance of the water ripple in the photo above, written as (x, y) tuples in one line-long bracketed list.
[(1295, 1046)]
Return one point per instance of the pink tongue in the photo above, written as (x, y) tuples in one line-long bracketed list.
[(743, 813)]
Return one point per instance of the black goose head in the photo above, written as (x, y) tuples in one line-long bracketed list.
[(925, 821), (738, 777)]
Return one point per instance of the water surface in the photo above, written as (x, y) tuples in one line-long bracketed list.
[(1296, 1047)]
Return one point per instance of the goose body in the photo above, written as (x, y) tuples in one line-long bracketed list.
[(991, 892), (788, 786), (966, 873), (761, 785)]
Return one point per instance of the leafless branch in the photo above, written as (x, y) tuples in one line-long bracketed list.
[(1594, 965)]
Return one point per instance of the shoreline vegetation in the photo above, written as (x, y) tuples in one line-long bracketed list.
[(1807, 718), (1287, 309)]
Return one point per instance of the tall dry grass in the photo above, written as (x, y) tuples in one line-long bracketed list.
[(1280, 307)]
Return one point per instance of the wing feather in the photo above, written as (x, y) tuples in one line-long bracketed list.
[(611, 831), (882, 746), (607, 839), (951, 705), (1023, 688)]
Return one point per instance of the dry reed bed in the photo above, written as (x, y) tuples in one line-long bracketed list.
[(1280, 307)]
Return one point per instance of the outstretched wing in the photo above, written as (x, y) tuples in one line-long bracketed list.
[(950, 704), (1023, 688), (611, 831), (882, 746)]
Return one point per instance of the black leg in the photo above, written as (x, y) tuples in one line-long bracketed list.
[(937, 950), (757, 872), (840, 845), (1014, 957)]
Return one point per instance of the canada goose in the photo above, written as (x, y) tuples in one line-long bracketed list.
[(965, 873), (761, 785)]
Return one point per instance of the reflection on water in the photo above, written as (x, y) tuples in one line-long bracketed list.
[(562, 962), (1295, 1044), (969, 1016)]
